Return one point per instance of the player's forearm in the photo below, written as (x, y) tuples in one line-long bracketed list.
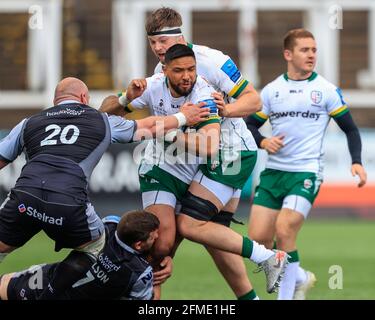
[(354, 145), (112, 106), (158, 125), (199, 144), (253, 125), (346, 124), (248, 103)]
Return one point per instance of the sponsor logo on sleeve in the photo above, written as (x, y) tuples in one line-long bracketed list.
[(230, 68)]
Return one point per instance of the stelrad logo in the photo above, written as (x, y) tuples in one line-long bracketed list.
[(30, 211)]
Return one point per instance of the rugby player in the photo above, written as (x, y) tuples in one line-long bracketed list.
[(164, 184), (299, 105), (62, 145), (121, 270)]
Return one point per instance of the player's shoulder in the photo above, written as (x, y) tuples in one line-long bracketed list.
[(324, 83), (111, 219), (209, 55), (158, 68), (156, 79), (201, 82), (275, 84)]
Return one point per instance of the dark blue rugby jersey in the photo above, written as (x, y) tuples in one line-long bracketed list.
[(118, 273), (63, 144)]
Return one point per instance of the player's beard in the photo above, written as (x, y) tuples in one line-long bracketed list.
[(180, 91)]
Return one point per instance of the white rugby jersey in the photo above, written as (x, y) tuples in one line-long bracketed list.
[(158, 98), (301, 111), (222, 73)]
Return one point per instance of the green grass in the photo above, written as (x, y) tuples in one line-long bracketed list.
[(321, 244)]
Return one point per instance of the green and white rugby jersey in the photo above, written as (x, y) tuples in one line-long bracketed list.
[(300, 110), (222, 73), (158, 98)]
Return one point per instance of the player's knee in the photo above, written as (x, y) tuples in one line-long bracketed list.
[(283, 232), (94, 247), (198, 208), (184, 226), (162, 249)]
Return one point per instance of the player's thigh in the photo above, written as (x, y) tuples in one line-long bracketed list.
[(262, 224), (17, 225), (232, 204), (167, 229), (215, 191), (166, 216)]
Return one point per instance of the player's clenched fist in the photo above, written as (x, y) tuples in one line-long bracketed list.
[(272, 145)]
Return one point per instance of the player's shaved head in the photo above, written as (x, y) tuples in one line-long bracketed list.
[(71, 89)]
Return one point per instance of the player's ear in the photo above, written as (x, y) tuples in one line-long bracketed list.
[(85, 98), (164, 68), (137, 245), (287, 55)]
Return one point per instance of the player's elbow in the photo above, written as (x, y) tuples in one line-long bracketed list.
[(254, 102), (258, 104)]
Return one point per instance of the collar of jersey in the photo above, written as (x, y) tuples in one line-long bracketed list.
[(190, 45), (125, 246), (69, 102), (311, 78)]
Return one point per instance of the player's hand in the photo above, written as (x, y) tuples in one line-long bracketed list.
[(273, 145), (358, 170), (166, 267), (136, 88), (194, 113), (220, 103), (111, 105)]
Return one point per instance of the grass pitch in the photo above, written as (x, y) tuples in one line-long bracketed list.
[(322, 245)]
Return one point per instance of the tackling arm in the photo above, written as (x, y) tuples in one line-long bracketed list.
[(204, 142), (112, 106), (157, 125)]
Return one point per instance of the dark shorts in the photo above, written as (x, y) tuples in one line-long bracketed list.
[(24, 213), (29, 284)]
